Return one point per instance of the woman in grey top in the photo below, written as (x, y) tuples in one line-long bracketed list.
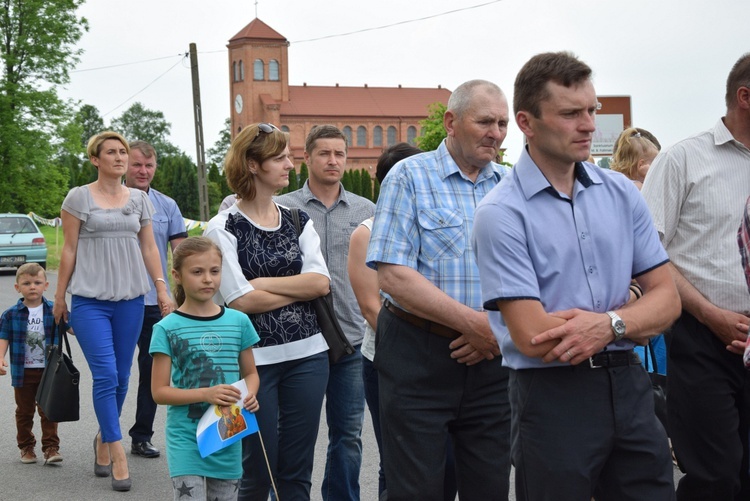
[(109, 245)]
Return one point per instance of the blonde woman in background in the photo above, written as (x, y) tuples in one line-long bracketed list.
[(634, 151)]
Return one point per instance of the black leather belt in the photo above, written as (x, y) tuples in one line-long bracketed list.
[(426, 325), (606, 359)]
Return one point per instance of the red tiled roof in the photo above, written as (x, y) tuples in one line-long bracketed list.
[(361, 101), (257, 29)]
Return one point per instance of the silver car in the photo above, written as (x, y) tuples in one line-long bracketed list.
[(21, 241)]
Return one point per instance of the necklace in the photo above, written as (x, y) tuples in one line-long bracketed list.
[(108, 198)]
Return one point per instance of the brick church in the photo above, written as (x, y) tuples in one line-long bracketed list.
[(372, 118)]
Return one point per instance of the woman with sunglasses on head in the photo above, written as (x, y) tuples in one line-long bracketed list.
[(271, 274)]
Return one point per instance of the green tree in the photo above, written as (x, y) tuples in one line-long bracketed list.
[(376, 191), (433, 131), (37, 51), (218, 151), (366, 185), (346, 180), (138, 122), (180, 177), (356, 182), (303, 174), (90, 121), (293, 184), (604, 163), (215, 180)]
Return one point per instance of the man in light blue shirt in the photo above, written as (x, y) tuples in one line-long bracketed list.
[(557, 243), (438, 364), (169, 229)]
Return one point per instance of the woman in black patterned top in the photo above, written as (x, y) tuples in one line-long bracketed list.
[(271, 273)]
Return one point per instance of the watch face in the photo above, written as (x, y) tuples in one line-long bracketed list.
[(238, 103), (619, 327)]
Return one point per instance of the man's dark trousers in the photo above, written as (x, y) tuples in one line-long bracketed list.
[(425, 394), (145, 412)]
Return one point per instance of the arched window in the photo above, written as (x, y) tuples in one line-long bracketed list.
[(348, 133), (377, 136), (361, 136), (242, 70), (235, 74), (411, 135), (391, 135), (284, 128), (273, 70), (258, 70)]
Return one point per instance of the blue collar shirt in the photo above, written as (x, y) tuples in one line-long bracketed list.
[(168, 224), (533, 242)]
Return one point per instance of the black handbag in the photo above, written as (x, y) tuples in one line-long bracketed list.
[(338, 344), (659, 386), (58, 395)]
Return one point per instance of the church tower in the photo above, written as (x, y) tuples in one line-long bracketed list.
[(258, 75)]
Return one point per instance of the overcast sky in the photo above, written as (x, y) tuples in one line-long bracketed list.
[(671, 56)]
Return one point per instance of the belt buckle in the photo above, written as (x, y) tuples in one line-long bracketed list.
[(593, 365)]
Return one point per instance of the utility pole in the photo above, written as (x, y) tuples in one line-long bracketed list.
[(199, 146)]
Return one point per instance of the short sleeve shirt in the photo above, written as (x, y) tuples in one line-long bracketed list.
[(168, 225), (335, 226), (696, 191), (250, 251), (205, 352), (109, 264), (423, 220), (534, 243)]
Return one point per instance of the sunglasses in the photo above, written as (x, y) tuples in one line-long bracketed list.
[(265, 128)]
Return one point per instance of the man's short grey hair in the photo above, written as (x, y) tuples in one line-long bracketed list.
[(460, 99)]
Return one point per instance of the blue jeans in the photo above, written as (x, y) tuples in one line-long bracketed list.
[(290, 397), (145, 410), (345, 414), (107, 332)]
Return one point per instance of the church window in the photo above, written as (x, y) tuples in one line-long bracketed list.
[(377, 136), (391, 135), (411, 135), (273, 70)]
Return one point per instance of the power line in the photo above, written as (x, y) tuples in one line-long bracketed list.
[(363, 30), (128, 64), (147, 86), (408, 21)]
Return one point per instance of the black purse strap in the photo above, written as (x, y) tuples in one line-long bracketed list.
[(61, 331), (295, 218)]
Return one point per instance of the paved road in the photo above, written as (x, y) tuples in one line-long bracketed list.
[(73, 479)]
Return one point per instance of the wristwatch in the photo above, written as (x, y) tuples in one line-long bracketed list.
[(618, 326)]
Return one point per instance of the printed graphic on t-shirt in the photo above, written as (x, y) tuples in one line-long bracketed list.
[(35, 339), (199, 356)]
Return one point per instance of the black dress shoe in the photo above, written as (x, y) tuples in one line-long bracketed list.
[(144, 449)]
